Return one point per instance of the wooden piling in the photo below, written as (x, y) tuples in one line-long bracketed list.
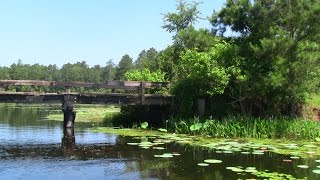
[(69, 113)]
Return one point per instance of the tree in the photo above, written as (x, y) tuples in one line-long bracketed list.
[(185, 17), (276, 39), (147, 60), (205, 74), (178, 23), (4, 73), (108, 73), (124, 66)]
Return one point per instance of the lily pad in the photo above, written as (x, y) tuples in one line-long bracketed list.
[(318, 139), (235, 169), (159, 148), (203, 164), (250, 170), (133, 144), (165, 155), (294, 157), (318, 160), (317, 171), (245, 152), (310, 146), (303, 166), (213, 161), (162, 130)]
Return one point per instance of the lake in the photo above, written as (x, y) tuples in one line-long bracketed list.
[(32, 147)]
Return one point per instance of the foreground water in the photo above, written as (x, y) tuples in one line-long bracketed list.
[(32, 147)]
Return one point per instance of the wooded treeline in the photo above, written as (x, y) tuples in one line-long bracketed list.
[(260, 58)]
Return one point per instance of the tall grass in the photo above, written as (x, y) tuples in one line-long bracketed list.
[(247, 127)]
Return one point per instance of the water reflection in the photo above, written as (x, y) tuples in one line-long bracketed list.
[(68, 142)]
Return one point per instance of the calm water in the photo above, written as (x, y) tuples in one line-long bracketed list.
[(34, 148)]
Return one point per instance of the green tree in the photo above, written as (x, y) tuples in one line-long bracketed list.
[(147, 60), (124, 66), (4, 73), (108, 72), (185, 16), (279, 41), (205, 74)]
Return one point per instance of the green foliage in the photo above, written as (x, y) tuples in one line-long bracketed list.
[(205, 74), (144, 125), (279, 43), (145, 75)]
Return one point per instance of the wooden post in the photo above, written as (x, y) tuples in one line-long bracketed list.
[(69, 114), (143, 90)]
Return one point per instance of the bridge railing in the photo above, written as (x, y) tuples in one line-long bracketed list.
[(140, 86), (107, 85)]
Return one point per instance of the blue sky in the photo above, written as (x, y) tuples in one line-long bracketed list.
[(62, 31)]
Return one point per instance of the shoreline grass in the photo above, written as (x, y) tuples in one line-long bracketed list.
[(247, 127)]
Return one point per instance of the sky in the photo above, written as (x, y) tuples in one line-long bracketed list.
[(95, 31)]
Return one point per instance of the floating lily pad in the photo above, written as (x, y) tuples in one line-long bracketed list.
[(250, 170), (311, 152), (227, 152), (257, 153), (213, 161), (310, 146), (318, 166), (159, 148), (203, 164), (303, 166), (235, 169), (133, 144), (318, 139), (176, 154), (317, 171), (318, 160), (294, 157), (245, 152), (165, 155), (145, 147)]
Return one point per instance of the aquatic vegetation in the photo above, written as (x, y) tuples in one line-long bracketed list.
[(303, 166), (272, 175), (296, 149), (85, 113), (144, 125), (247, 127), (203, 164), (212, 161), (317, 171)]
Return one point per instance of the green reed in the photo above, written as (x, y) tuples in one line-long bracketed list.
[(248, 127)]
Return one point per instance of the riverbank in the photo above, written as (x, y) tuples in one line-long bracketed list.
[(292, 148)]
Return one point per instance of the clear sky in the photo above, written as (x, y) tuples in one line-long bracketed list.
[(62, 31)]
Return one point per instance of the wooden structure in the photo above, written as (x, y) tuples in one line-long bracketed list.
[(135, 94)]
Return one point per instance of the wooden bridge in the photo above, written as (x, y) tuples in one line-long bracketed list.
[(134, 93)]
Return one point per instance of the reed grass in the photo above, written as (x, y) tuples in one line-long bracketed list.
[(247, 127)]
